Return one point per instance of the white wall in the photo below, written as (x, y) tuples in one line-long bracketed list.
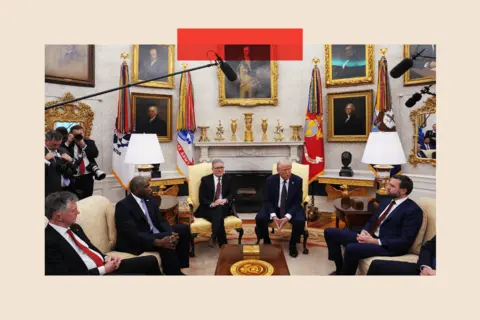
[(293, 84)]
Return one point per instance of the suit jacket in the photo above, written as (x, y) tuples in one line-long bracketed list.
[(294, 196), (157, 69), (431, 134), (352, 127), (428, 253), (133, 231), (399, 230), (91, 150), (53, 178), (157, 126), (208, 188), (61, 258)]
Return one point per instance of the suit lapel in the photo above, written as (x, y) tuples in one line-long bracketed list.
[(277, 190), (136, 208), (65, 246), (395, 210)]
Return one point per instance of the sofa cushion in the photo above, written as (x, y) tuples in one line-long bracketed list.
[(429, 207), (417, 244), (364, 264)]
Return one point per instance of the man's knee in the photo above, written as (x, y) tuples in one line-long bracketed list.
[(182, 229)]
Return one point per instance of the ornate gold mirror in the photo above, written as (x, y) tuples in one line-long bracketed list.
[(425, 134), (69, 115)]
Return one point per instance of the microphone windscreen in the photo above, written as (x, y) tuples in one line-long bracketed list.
[(401, 68), (414, 99), (228, 71)]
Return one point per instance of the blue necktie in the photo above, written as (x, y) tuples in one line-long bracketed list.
[(152, 227)]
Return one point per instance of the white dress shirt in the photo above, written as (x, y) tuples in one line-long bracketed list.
[(139, 201), (89, 263), (397, 203), (288, 215)]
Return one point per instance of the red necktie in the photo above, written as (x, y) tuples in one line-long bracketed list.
[(98, 261), (380, 219), (82, 164), (219, 189)]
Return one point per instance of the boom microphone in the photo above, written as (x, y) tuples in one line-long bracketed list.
[(226, 69), (404, 66), (413, 100)]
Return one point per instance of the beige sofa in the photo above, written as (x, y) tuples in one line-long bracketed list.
[(97, 219), (427, 231)]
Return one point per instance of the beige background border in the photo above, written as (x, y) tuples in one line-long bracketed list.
[(27, 294)]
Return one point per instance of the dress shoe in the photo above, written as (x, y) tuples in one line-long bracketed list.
[(293, 251)]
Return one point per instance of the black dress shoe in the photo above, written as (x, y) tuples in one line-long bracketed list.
[(293, 251)]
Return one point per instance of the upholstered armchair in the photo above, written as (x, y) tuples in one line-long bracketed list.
[(301, 170), (427, 232), (97, 219), (201, 225)]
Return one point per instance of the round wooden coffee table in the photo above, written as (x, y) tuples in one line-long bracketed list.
[(169, 209), (351, 216)]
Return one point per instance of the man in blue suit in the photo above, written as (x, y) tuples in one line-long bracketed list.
[(390, 231), (282, 203)]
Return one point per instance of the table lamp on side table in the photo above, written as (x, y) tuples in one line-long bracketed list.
[(383, 150), (143, 151)]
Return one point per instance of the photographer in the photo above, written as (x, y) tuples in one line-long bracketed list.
[(84, 151), (59, 165)]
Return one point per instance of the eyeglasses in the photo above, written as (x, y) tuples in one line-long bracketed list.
[(219, 168)]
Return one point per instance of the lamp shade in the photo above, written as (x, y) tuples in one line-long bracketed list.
[(144, 148), (383, 148)]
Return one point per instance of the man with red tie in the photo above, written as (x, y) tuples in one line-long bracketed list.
[(390, 231), (84, 151), (68, 251), (215, 198)]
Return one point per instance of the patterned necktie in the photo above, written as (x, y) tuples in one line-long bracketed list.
[(82, 163), (219, 189), (380, 219), (152, 227), (283, 199), (98, 261)]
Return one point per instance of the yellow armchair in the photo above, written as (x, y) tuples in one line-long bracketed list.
[(201, 225), (301, 170)]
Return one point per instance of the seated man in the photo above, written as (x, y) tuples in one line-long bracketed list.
[(141, 227), (215, 199), (425, 266), (390, 231), (282, 203), (69, 252)]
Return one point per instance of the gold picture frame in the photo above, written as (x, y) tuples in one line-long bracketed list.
[(429, 76), (430, 107), (359, 124), (166, 55), (162, 127), (229, 99), (351, 76), (74, 113)]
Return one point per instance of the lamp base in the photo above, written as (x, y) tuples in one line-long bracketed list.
[(144, 170), (383, 176)]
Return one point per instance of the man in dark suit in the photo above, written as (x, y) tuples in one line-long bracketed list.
[(282, 203), (390, 231), (84, 151), (215, 197), (68, 251), (57, 160), (154, 124), (349, 123), (425, 266), (432, 134), (153, 68), (141, 227)]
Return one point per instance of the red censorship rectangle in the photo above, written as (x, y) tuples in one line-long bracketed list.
[(195, 44)]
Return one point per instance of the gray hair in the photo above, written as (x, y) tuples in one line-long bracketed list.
[(58, 201), (214, 162), (153, 108), (284, 162), (137, 182), (53, 135)]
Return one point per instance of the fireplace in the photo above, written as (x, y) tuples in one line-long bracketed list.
[(248, 190)]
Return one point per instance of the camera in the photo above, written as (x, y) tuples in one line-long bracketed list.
[(99, 174), (67, 170), (78, 137)]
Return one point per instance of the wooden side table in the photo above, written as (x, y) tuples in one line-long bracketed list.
[(169, 209), (351, 216), (159, 185)]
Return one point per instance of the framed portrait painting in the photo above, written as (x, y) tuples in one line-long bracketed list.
[(349, 116), (424, 69), (152, 113), (257, 76), (151, 61), (348, 64), (70, 64)]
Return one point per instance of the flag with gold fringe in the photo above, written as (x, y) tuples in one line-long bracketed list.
[(185, 124), (383, 117), (123, 128), (313, 152)]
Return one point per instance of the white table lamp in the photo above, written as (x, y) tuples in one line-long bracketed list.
[(383, 149), (144, 150)]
